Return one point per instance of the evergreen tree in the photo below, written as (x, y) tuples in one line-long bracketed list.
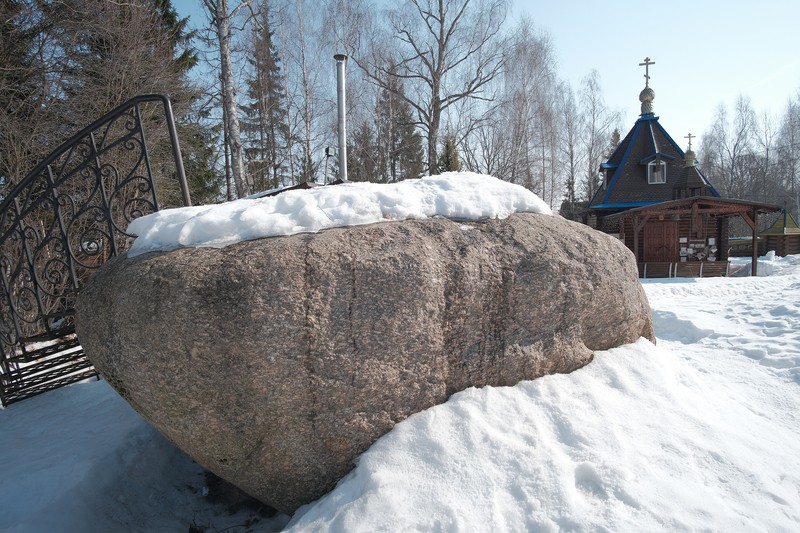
[(398, 144), (82, 58), (449, 160), (410, 157), (307, 168), (361, 163), (22, 93), (265, 122), (199, 141), (612, 145), (198, 146), (113, 51), (180, 38)]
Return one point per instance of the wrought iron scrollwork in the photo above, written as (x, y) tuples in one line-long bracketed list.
[(57, 226)]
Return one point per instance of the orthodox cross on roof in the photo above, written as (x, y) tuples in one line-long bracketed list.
[(646, 66), (690, 139)]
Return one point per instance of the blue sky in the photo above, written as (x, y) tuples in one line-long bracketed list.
[(706, 52)]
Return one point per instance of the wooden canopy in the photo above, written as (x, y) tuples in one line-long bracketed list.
[(695, 208)]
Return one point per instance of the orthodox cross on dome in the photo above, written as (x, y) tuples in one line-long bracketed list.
[(690, 139), (646, 66)]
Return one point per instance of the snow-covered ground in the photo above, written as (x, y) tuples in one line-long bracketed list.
[(700, 432)]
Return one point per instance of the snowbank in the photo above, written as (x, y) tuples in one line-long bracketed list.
[(457, 195), (636, 441), (768, 265)]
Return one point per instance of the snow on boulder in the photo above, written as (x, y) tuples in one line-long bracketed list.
[(275, 362), (455, 195)]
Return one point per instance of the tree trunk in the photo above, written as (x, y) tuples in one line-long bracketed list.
[(307, 170), (433, 132), (222, 22), (436, 38)]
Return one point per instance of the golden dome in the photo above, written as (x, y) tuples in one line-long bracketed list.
[(646, 97)]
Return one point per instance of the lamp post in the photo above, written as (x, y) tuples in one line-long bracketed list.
[(330, 151)]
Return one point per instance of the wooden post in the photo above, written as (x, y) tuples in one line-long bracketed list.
[(752, 221), (697, 223), (754, 264), (637, 229)]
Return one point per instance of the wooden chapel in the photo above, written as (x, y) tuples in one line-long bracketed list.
[(660, 204)]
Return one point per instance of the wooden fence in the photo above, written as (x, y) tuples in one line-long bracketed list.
[(683, 269)]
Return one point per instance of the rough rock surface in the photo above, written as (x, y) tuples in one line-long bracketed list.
[(275, 362)]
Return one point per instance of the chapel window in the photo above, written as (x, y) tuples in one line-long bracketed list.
[(656, 172)]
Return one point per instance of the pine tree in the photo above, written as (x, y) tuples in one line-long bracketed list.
[(449, 161), (74, 60), (22, 93), (398, 144), (198, 145), (265, 117), (410, 157), (361, 163), (199, 141), (612, 145)]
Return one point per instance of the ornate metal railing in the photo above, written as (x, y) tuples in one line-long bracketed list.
[(60, 223)]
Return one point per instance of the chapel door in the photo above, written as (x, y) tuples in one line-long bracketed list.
[(661, 241)]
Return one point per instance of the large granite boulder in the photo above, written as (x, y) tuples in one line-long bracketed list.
[(275, 362)]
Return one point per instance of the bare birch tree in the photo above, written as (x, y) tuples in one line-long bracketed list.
[(221, 19), (570, 154), (768, 184), (517, 138), (529, 114), (446, 51), (533, 79), (599, 122), (789, 153), (308, 63), (306, 76), (727, 149)]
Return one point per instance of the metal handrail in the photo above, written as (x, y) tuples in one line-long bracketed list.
[(108, 117), (58, 225)]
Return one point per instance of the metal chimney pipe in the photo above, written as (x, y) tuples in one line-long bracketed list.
[(341, 62)]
